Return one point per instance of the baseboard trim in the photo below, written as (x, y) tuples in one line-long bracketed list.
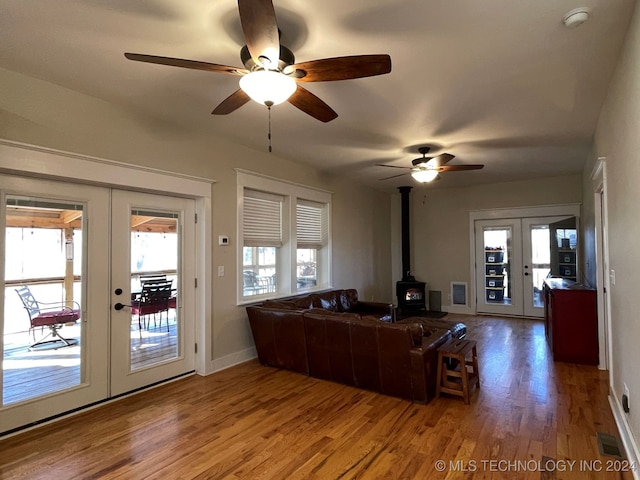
[(630, 446), (458, 309), (232, 359)]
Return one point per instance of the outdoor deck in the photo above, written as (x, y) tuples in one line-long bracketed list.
[(31, 373)]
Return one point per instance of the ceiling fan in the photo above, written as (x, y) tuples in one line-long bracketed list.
[(270, 75), (427, 169)]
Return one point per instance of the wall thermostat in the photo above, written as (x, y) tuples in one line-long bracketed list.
[(223, 240)]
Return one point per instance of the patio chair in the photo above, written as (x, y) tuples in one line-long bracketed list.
[(151, 278), (159, 278), (251, 283), (153, 299), (49, 314)]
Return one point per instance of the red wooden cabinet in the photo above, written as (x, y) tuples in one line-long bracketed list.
[(571, 321)]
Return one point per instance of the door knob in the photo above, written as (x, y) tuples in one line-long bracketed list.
[(526, 273), (119, 306)]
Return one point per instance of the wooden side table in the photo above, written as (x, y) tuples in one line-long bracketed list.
[(453, 375)]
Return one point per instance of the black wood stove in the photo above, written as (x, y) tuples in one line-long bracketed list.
[(410, 292)]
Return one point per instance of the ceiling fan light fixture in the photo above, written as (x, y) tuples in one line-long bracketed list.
[(268, 87), (424, 175)]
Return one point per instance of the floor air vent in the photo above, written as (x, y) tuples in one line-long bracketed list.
[(609, 445)]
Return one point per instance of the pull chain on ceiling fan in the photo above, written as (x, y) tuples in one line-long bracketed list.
[(271, 75)]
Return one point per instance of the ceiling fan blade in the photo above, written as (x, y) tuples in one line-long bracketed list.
[(342, 68), (312, 105), (231, 103), (180, 62), (392, 166), (258, 19), (458, 168), (393, 176), (440, 160)]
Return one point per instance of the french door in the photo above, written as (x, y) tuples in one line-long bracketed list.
[(513, 257), (151, 337), (67, 249)]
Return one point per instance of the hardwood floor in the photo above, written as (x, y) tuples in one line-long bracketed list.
[(254, 422)]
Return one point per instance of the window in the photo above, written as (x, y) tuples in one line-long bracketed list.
[(262, 231), (311, 232), (284, 241)]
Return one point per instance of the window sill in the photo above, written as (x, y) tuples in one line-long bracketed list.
[(281, 296)]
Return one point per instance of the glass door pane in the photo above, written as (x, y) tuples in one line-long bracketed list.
[(154, 293), (42, 331), (497, 253), (543, 256), (563, 236), (499, 266), (540, 262)]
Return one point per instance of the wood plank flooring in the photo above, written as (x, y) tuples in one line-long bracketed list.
[(255, 422)]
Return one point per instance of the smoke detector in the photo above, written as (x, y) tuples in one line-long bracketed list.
[(576, 17)]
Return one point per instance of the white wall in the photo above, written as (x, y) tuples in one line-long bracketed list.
[(617, 138), (40, 113)]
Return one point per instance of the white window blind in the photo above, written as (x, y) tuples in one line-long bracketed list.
[(262, 219), (311, 225)]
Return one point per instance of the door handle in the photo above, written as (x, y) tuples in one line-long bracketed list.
[(526, 273), (119, 306)]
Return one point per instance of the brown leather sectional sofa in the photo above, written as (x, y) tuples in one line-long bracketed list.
[(333, 336)]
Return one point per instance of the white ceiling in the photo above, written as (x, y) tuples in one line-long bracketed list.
[(499, 82)]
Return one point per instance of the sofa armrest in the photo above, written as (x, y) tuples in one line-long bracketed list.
[(424, 365), (419, 381), (279, 338), (431, 341)]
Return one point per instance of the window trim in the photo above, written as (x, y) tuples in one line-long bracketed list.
[(291, 192)]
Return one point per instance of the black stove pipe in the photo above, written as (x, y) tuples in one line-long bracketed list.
[(406, 234)]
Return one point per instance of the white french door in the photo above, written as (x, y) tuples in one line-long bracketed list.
[(499, 266), (151, 343), (72, 247), (54, 243), (513, 257)]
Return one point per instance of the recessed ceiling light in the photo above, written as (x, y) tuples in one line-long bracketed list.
[(576, 17)]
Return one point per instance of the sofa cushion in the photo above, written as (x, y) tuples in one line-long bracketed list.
[(305, 302), (329, 302), (348, 299), (280, 304)]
